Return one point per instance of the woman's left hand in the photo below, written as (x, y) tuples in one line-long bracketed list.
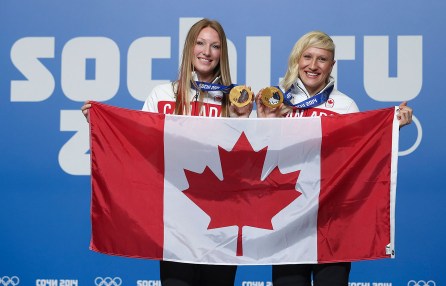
[(241, 112), (404, 114)]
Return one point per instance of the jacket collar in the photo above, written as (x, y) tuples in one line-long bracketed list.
[(299, 88)]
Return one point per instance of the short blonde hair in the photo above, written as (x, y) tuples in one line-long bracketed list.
[(313, 39)]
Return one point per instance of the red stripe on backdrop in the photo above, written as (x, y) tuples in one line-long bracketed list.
[(127, 202), (354, 202)]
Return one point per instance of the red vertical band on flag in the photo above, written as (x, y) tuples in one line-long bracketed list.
[(127, 157), (354, 202)]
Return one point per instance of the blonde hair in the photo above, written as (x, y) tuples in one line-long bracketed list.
[(313, 39), (182, 105)]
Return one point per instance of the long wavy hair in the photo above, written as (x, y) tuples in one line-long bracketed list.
[(183, 96), (313, 39)]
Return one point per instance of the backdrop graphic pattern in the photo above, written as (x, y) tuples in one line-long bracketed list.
[(56, 54)]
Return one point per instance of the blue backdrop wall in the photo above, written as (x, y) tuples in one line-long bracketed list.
[(56, 54)]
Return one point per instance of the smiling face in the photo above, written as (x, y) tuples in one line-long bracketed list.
[(206, 54), (315, 66)]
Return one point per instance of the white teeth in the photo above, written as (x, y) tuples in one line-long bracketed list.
[(311, 74), (205, 60)]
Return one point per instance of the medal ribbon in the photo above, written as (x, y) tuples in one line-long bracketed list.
[(313, 101), (206, 86)]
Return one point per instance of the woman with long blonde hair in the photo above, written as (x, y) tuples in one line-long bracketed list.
[(204, 63)]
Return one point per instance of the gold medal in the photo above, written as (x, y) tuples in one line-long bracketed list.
[(240, 95), (271, 96)]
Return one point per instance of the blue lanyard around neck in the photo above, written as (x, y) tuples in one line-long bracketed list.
[(207, 86), (313, 101)]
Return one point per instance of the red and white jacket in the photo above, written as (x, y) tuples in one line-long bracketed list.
[(337, 103), (162, 100)]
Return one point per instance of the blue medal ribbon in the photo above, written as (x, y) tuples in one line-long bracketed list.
[(313, 101), (206, 86)]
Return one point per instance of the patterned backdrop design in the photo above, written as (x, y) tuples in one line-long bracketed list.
[(54, 55)]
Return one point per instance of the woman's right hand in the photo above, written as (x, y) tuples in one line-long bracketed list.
[(85, 108), (264, 111)]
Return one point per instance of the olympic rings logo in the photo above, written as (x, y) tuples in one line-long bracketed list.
[(6, 281), (107, 281), (421, 283)]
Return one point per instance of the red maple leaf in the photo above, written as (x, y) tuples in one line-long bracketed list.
[(242, 198)]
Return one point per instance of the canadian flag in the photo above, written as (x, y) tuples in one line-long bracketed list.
[(243, 191)]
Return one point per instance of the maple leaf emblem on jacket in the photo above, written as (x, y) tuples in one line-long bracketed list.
[(242, 198)]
